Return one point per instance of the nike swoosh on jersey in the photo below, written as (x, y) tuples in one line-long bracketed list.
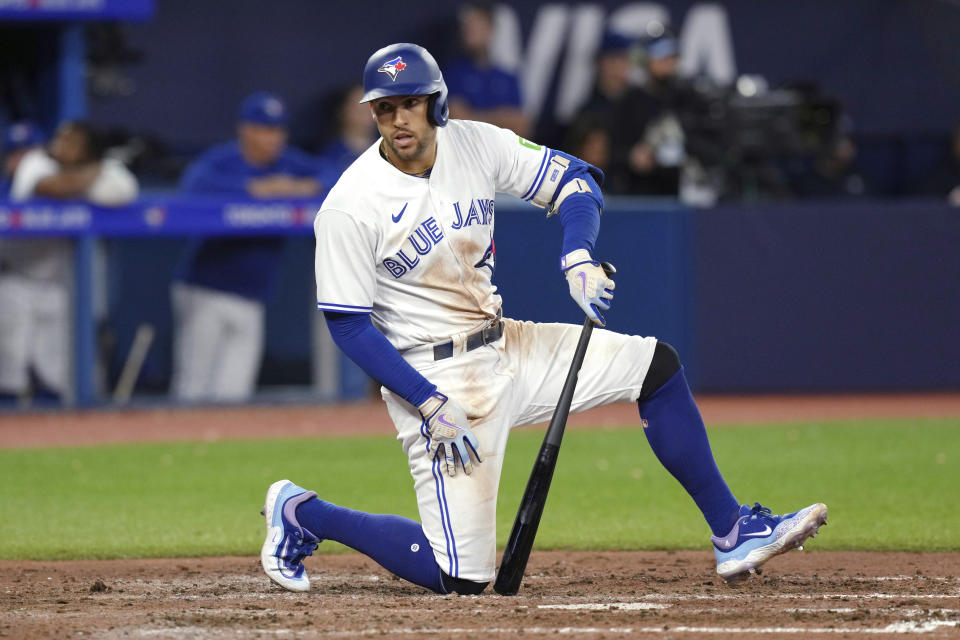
[(759, 534), (397, 217)]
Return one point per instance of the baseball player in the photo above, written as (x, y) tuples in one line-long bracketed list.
[(220, 294), (404, 260)]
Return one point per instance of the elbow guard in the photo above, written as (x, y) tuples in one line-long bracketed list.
[(566, 176)]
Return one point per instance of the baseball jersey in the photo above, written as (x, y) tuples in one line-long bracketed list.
[(417, 253), (49, 258)]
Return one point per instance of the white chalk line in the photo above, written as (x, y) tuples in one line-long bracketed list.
[(801, 596), (606, 606), (897, 627), (635, 606)]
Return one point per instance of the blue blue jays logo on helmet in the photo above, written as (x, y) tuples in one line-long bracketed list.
[(421, 77), (393, 67)]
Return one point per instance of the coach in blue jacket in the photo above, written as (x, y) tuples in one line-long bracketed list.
[(218, 302)]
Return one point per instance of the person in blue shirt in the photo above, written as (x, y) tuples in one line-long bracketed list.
[(356, 131), (218, 300), (478, 89)]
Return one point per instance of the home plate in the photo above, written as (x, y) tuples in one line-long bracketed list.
[(606, 606)]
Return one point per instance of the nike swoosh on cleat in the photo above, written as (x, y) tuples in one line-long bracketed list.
[(397, 217), (759, 534)]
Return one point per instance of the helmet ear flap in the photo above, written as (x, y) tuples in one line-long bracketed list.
[(437, 109), (431, 109)]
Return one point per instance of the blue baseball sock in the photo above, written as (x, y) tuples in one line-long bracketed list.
[(396, 544), (675, 431)]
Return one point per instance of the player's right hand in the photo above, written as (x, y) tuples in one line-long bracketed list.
[(450, 435), (589, 285)]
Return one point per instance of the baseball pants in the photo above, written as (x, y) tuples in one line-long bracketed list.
[(513, 382), (218, 344), (34, 333)]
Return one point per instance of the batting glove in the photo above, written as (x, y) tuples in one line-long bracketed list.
[(589, 285), (450, 435)]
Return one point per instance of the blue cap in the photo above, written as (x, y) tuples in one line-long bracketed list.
[(664, 47), (263, 108), (614, 42), (19, 135)]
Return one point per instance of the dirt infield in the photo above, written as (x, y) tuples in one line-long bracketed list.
[(583, 594), (370, 418), (593, 595)]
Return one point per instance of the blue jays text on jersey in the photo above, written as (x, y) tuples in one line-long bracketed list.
[(429, 234), (480, 212), (423, 239)]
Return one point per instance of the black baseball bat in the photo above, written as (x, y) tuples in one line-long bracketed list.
[(517, 551)]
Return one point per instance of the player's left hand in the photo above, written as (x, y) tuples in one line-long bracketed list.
[(589, 285), (450, 435)]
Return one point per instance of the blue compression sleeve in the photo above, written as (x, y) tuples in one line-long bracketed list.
[(580, 216), (579, 213), (360, 340)]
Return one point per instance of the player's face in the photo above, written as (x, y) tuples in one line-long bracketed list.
[(261, 144), (68, 146), (411, 139), (664, 67)]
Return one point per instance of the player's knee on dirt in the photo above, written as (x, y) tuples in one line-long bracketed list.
[(461, 587), (665, 363)]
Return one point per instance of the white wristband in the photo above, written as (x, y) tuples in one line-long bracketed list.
[(572, 259)]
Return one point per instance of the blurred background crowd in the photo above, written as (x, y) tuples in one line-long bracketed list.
[(671, 100)]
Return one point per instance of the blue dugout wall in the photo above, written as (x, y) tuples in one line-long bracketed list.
[(825, 297), (812, 297)]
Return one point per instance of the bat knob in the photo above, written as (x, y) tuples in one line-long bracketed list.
[(608, 268)]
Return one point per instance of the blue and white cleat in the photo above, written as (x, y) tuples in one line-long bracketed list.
[(758, 536), (287, 543)]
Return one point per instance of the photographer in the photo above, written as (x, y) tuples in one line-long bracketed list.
[(648, 142)]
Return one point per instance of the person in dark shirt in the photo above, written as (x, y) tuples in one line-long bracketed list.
[(588, 137), (478, 89), (647, 150), (218, 301)]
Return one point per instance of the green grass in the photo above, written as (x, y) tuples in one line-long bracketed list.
[(890, 485)]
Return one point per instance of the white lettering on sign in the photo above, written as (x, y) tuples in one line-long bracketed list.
[(246, 215), (45, 217), (573, 32)]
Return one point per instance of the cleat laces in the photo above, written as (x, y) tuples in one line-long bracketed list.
[(301, 544)]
